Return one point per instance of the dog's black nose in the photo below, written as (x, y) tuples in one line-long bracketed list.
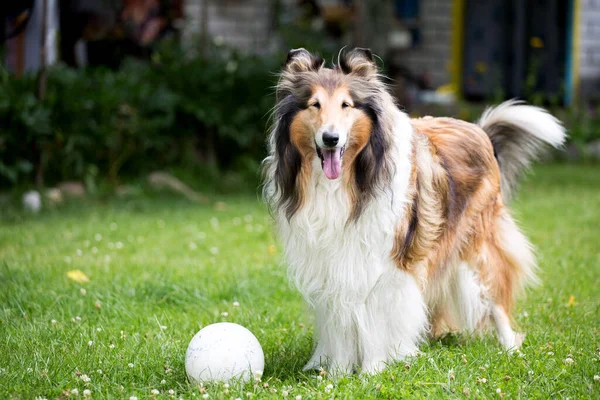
[(330, 139)]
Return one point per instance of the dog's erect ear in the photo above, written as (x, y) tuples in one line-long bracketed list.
[(300, 60), (359, 62)]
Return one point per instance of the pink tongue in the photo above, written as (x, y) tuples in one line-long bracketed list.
[(332, 163)]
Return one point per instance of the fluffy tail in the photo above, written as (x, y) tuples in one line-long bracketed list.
[(519, 133)]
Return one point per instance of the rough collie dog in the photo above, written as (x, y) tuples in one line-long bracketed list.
[(396, 229)]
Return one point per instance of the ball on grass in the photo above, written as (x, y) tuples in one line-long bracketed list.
[(224, 352)]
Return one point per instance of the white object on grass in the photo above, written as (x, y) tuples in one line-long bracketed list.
[(223, 352), (32, 201)]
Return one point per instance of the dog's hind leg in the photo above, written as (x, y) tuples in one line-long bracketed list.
[(506, 264), (469, 300), (508, 338)]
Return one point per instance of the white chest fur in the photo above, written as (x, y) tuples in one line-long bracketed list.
[(334, 260)]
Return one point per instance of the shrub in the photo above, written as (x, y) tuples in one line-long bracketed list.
[(143, 116)]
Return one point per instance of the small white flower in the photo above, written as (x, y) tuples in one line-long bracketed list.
[(258, 374), (113, 226), (99, 371), (328, 388), (130, 365), (163, 382), (133, 398), (107, 258), (75, 392), (111, 346), (171, 392), (550, 353), (53, 322), (40, 398), (201, 235), (154, 391), (205, 396), (78, 318), (90, 343), (29, 370), (219, 41), (568, 361), (597, 378), (237, 221), (192, 246), (163, 327), (111, 245), (224, 314), (85, 378), (299, 397), (226, 385), (236, 304), (98, 329), (284, 393), (231, 66), (67, 259), (119, 245), (83, 291), (79, 252), (87, 392), (97, 237), (94, 250), (248, 218), (214, 250), (530, 372), (319, 378)]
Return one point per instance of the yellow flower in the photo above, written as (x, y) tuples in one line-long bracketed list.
[(77, 276)]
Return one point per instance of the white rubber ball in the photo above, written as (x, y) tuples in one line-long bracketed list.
[(224, 352)]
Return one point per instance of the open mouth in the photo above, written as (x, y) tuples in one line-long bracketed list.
[(331, 161)]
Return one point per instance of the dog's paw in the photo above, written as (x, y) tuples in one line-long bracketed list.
[(372, 367), (519, 339), (313, 365)]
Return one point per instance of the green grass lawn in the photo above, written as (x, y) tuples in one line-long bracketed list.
[(160, 268)]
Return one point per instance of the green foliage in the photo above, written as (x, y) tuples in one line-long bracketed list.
[(143, 116)]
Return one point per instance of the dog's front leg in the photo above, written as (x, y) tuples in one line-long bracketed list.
[(336, 339), (392, 322)]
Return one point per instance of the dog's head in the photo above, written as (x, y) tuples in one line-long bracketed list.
[(330, 118)]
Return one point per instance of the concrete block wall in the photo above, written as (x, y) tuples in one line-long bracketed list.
[(433, 54), (589, 50), (243, 24)]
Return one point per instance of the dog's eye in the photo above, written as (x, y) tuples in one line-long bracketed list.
[(345, 105), (316, 105)]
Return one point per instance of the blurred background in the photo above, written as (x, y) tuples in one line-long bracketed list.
[(95, 94)]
